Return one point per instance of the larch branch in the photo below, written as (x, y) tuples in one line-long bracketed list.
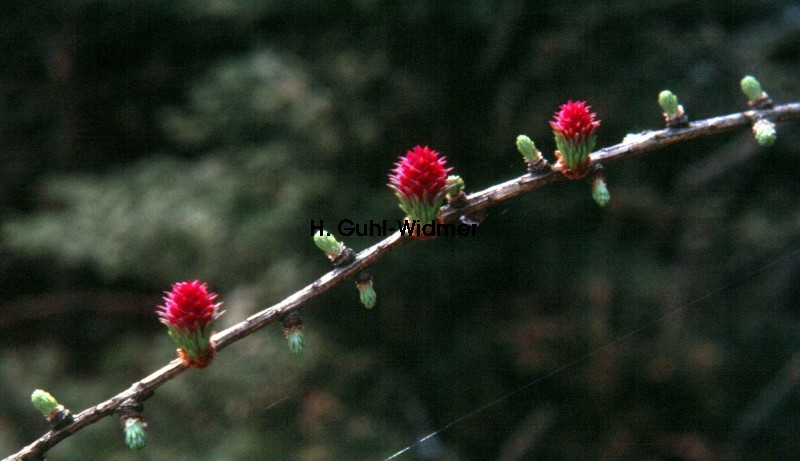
[(633, 145)]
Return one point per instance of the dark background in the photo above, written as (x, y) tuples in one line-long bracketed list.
[(144, 143)]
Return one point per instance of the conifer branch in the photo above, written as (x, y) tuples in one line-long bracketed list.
[(633, 145)]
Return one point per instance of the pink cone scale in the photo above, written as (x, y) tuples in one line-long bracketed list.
[(189, 312), (573, 127), (419, 180)]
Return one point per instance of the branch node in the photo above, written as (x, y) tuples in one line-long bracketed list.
[(345, 257), (540, 165)]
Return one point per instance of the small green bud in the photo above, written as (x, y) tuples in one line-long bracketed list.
[(455, 185), (135, 436), (669, 103), (764, 132), (528, 149), (752, 88), (328, 244), (674, 116), (367, 293), (296, 342), (292, 326), (600, 192), (44, 402)]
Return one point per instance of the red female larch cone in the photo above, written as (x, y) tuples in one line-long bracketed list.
[(573, 127), (419, 180), (189, 313)]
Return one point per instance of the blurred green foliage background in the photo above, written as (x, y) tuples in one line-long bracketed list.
[(148, 142)]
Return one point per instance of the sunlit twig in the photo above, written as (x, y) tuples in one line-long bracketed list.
[(633, 145)]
